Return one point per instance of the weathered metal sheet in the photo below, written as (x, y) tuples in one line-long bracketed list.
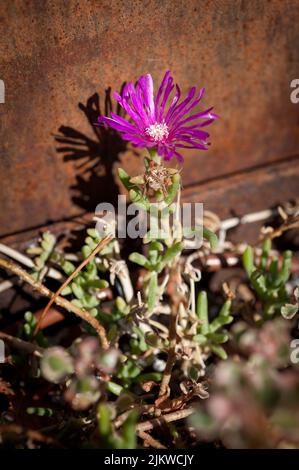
[(56, 54)]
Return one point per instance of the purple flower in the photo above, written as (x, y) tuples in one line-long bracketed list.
[(159, 123)]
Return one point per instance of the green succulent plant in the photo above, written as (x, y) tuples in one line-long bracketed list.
[(125, 439), (42, 252), (30, 323), (268, 279), (211, 333)]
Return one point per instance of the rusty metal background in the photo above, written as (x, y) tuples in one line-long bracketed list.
[(55, 54)]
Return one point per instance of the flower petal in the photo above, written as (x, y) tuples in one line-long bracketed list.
[(145, 82), (160, 91), (179, 109), (174, 102), (188, 108), (168, 90), (192, 145), (202, 115), (143, 111)]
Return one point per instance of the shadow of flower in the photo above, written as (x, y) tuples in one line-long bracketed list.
[(95, 156)]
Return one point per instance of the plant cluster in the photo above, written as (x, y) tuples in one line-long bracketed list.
[(150, 355)]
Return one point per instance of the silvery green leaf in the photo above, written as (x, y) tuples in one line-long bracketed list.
[(286, 267), (152, 291), (218, 337), (219, 351), (288, 311), (129, 436), (77, 290), (68, 267), (172, 252), (258, 281), (137, 198), (89, 302), (211, 237), (248, 262), (219, 322), (202, 312), (265, 253), (28, 317), (92, 232), (172, 191), (67, 290), (121, 305), (201, 339), (138, 259), (125, 178)]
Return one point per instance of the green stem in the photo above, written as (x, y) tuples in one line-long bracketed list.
[(154, 156)]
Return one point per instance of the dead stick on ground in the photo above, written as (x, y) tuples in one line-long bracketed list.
[(291, 222), (168, 369), (171, 405), (150, 440), (22, 274), (175, 302), (30, 433), (24, 346), (97, 249), (150, 424)]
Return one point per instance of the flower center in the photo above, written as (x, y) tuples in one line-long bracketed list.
[(157, 131)]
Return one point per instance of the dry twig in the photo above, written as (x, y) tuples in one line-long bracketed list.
[(97, 249), (69, 306), (175, 300), (24, 346), (150, 441), (29, 433), (288, 223), (168, 418)]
